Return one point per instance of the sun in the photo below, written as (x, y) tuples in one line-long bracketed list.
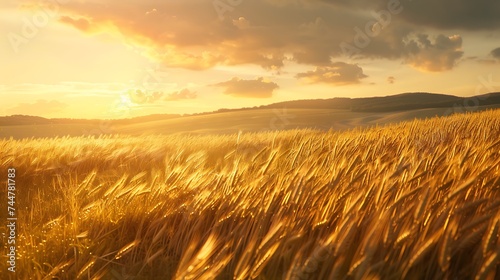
[(122, 106)]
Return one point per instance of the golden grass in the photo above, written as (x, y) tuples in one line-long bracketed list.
[(417, 200)]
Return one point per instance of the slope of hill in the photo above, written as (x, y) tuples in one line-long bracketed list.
[(15, 120), (399, 102), (234, 122), (335, 113), (276, 119)]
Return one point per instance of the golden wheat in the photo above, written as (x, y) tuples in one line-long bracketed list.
[(418, 199)]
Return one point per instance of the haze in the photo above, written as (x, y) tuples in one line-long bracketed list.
[(118, 59)]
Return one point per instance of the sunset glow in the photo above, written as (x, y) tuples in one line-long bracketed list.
[(115, 59)]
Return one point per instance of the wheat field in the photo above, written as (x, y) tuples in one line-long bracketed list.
[(415, 200)]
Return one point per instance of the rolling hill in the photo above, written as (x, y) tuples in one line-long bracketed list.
[(323, 114)]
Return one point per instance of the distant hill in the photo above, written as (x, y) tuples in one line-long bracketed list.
[(394, 103), (34, 120)]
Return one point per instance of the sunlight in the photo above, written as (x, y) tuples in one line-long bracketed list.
[(122, 106)]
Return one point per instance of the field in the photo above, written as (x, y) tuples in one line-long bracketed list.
[(415, 200), (255, 120)]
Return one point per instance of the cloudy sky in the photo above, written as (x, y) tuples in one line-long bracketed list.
[(123, 58)]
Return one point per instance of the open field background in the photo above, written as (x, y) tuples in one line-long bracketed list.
[(254, 120), (416, 200), (259, 120)]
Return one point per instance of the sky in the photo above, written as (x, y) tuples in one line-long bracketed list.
[(126, 58)]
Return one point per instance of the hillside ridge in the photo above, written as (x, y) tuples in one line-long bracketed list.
[(390, 103)]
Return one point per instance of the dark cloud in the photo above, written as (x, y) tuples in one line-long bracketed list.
[(454, 14), (180, 95), (441, 55), (391, 80), (190, 34), (338, 73), (40, 108), (258, 88), (495, 53), (443, 14)]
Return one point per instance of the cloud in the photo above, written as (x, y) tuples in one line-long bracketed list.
[(391, 80), (189, 34), (454, 14), (40, 108), (142, 97), (338, 73), (441, 55), (79, 23), (151, 11), (241, 23), (443, 14), (492, 58), (258, 88), (180, 95), (268, 33), (495, 53)]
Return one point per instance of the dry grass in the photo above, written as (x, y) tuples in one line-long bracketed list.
[(416, 200)]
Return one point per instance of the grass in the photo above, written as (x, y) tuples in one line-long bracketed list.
[(414, 200)]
